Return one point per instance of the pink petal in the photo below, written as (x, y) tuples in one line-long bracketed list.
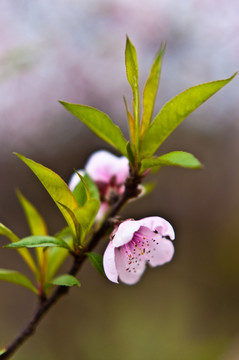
[(160, 251), (125, 232), (128, 273), (102, 165), (161, 225), (74, 180), (121, 169), (109, 263), (126, 229)]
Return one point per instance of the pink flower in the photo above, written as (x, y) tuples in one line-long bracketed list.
[(137, 243), (109, 172)]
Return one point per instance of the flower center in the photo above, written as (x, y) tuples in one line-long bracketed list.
[(139, 250), (109, 191)]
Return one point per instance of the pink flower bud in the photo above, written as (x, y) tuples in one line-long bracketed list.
[(109, 172)]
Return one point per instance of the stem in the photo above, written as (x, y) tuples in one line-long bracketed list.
[(131, 191)]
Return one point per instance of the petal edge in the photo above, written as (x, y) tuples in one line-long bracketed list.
[(109, 263)]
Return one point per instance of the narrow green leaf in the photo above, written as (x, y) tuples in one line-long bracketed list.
[(174, 158), (84, 183), (78, 231), (131, 64), (25, 254), (150, 91), (17, 278), (79, 191), (86, 215), (58, 255), (99, 123), (56, 187), (97, 261), (130, 154), (131, 122), (66, 280), (35, 221), (94, 192), (38, 241), (36, 224), (175, 111)]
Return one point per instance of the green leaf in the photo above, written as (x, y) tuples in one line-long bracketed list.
[(36, 224), (99, 123), (25, 254), (56, 187), (17, 278), (131, 122), (38, 241), (66, 280), (79, 191), (86, 215), (174, 112), (58, 255), (84, 183), (130, 154), (174, 158), (150, 90), (76, 240), (35, 221), (93, 189), (97, 261), (131, 64)]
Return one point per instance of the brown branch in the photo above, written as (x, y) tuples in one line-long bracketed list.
[(131, 191), (41, 311)]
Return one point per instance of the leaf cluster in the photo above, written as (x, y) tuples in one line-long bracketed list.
[(147, 133), (79, 210)]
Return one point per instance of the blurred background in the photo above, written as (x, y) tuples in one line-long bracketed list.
[(74, 51)]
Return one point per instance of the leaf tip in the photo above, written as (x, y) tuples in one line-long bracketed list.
[(20, 156), (18, 192), (200, 166), (162, 47), (63, 103), (7, 246), (128, 42)]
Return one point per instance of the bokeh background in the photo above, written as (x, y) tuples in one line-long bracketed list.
[(74, 51)]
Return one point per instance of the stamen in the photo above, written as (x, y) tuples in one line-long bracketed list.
[(142, 252)]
